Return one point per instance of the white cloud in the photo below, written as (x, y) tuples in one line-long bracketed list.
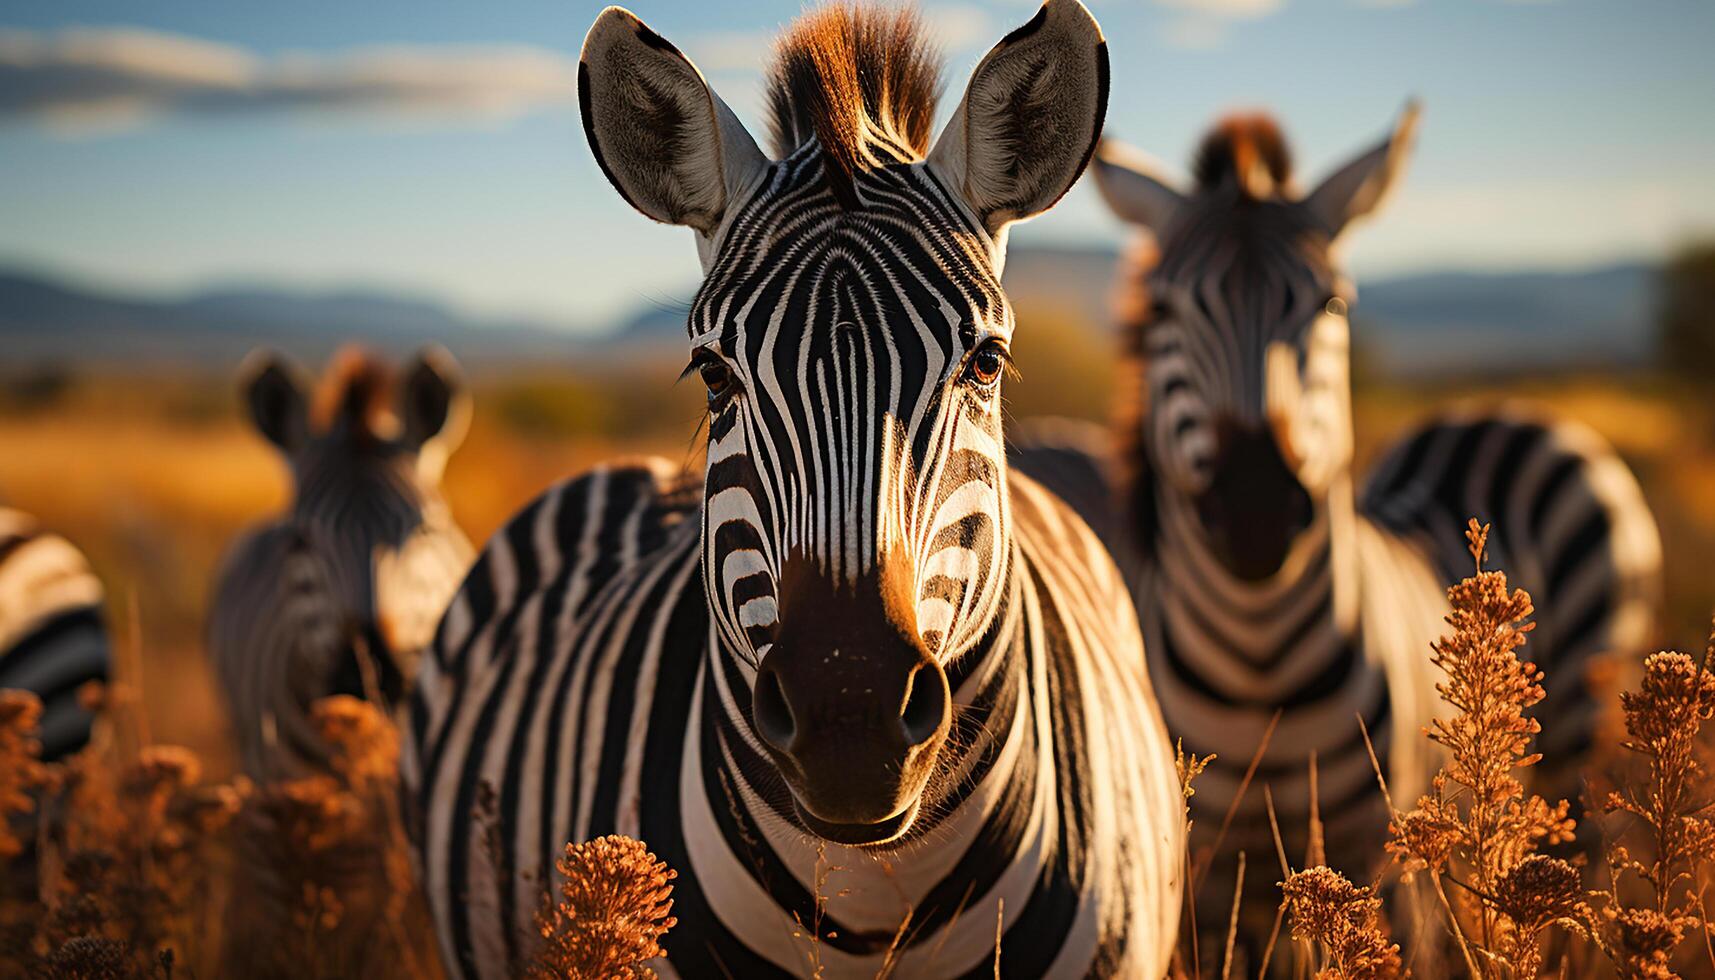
[(961, 27), (730, 51), (107, 76), (1203, 25), (1226, 9)]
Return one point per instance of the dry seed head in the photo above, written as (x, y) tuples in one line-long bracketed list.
[(1344, 918), (21, 770), (364, 742), (613, 911), (1539, 890)]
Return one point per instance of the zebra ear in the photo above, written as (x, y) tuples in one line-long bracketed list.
[(1360, 186), (1030, 117), (666, 142), (1134, 186), (271, 389), (434, 409)]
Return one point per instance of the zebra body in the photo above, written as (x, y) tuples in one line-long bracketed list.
[(53, 638), (584, 684), (856, 662), (1265, 584), (341, 594)]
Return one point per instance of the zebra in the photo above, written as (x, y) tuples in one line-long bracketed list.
[(1264, 582), (53, 634), (340, 594), (880, 703)]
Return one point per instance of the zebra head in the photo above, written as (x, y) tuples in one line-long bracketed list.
[(852, 334), (1244, 330), (366, 455)]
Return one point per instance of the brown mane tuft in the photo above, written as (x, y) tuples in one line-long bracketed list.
[(1247, 148), (852, 77), (356, 387)]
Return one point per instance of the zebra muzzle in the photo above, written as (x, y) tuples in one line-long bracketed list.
[(855, 734)]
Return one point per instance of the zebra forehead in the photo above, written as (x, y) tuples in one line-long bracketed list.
[(891, 264), (1253, 255)]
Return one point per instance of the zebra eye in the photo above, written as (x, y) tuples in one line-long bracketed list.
[(718, 377), (987, 364)]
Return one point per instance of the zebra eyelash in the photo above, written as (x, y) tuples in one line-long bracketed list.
[(1008, 366), (704, 358)]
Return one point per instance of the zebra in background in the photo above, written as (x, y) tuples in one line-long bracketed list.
[(53, 638), (341, 593), (1264, 582), (875, 699)]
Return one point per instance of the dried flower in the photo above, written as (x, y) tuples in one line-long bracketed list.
[(364, 743), (21, 770), (615, 897), (1343, 919), (91, 958), (1476, 818), (1189, 767), (1670, 804)]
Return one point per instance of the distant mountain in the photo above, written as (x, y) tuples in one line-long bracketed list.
[(1429, 323), (43, 320), (1447, 321)]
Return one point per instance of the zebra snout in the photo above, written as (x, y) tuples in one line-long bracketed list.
[(1254, 507), (855, 732)]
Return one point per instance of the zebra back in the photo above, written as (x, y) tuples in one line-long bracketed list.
[(53, 637), (1570, 526)]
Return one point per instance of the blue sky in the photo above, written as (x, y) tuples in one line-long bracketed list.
[(434, 147)]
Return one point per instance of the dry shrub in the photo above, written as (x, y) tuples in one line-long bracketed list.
[(126, 859), (326, 866), (126, 870), (1652, 903), (1477, 827), (1476, 835), (1343, 920), (611, 915), (22, 773)]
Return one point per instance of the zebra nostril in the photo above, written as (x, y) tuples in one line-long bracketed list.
[(772, 714), (925, 705)]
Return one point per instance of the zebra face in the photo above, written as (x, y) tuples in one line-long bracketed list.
[(852, 334), (1246, 342), (366, 459), (1248, 383), (854, 528)]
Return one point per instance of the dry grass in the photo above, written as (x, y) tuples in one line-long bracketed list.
[(1510, 910), (126, 863)]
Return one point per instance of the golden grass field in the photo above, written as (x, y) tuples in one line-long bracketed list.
[(154, 476)]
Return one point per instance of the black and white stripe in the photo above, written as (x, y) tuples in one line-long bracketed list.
[(341, 594), (53, 636), (856, 627), (1264, 583)]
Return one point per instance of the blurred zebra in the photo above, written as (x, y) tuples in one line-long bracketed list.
[(53, 638), (341, 593), (1264, 583), (875, 700)]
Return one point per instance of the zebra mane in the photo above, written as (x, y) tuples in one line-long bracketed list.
[(855, 79), (358, 386), (1249, 149)]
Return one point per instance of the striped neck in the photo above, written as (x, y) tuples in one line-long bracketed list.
[(1313, 598)]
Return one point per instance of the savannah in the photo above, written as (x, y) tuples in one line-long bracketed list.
[(125, 429)]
